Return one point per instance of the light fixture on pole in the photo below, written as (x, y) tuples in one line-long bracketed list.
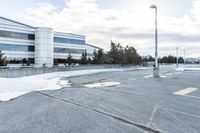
[(156, 67)]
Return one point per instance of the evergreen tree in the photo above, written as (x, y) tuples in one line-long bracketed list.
[(24, 61), (148, 58), (121, 55), (171, 59), (112, 54), (100, 55), (181, 60), (3, 60), (83, 58), (89, 61), (69, 59), (95, 57), (131, 56)]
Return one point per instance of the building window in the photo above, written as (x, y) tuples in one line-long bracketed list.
[(14, 47), (16, 35), (68, 41), (67, 50)]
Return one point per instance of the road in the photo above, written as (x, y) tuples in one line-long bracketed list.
[(129, 101)]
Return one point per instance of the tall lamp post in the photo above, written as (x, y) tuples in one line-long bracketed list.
[(156, 67)]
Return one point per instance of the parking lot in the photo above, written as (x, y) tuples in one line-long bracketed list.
[(129, 101)]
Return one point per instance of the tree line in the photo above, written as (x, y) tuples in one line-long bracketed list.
[(117, 54), (165, 59)]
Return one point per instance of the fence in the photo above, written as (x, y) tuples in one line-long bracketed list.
[(20, 72)]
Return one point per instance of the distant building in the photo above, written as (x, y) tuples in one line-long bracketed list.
[(40, 45), (192, 61)]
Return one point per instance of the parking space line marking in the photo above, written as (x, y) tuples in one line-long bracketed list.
[(185, 91), (195, 97), (148, 76), (181, 112), (101, 84)]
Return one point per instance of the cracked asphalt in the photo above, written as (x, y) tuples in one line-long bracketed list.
[(139, 104)]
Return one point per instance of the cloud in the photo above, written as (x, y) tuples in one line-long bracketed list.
[(130, 25)]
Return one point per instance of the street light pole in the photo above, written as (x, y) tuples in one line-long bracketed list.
[(156, 68)]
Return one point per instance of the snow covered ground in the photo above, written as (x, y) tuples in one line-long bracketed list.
[(188, 68), (13, 87)]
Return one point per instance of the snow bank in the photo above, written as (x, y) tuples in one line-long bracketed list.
[(187, 69), (13, 87)]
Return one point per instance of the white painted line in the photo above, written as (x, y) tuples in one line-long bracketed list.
[(148, 76), (185, 91), (189, 96), (101, 84), (132, 79), (169, 74), (163, 76)]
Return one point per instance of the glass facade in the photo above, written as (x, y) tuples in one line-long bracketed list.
[(68, 41), (16, 35), (14, 47), (67, 50)]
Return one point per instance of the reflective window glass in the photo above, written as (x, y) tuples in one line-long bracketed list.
[(14, 47), (17, 35), (67, 50), (69, 41)]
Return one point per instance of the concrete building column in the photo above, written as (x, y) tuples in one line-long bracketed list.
[(44, 38)]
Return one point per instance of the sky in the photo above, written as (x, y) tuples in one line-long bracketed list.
[(129, 22)]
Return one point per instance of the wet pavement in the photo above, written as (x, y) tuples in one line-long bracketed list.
[(110, 102)]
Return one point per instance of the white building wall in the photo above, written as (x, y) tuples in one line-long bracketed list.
[(44, 43), (44, 47)]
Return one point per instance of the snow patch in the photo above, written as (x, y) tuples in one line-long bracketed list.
[(13, 87), (187, 69)]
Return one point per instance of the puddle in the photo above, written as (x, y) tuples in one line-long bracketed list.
[(101, 84)]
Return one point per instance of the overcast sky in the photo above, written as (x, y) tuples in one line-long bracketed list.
[(130, 22)]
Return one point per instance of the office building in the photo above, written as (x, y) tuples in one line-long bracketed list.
[(40, 45)]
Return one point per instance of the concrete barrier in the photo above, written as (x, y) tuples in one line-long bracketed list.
[(20, 72)]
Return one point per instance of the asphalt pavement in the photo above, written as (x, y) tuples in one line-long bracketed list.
[(129, 101)]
